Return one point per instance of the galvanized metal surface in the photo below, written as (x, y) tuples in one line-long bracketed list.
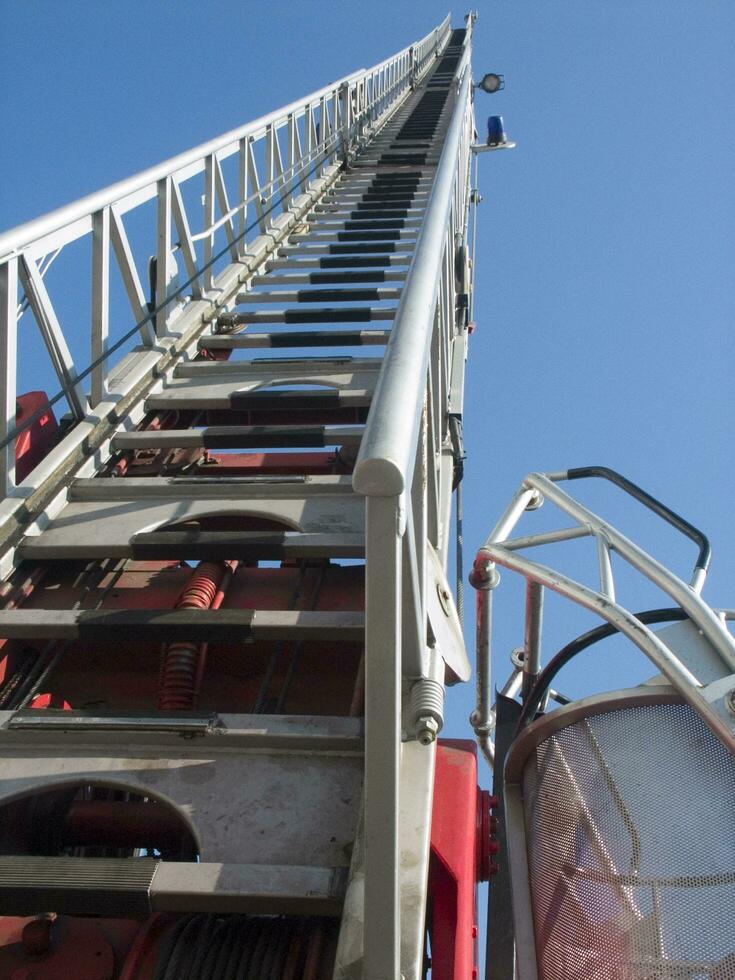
[(264, 795)]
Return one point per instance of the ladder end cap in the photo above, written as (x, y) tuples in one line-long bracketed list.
[(378, 477)]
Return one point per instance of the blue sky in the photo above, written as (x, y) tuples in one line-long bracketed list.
[(604, 299)]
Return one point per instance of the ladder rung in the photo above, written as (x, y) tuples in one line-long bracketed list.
[(386, 181), (202, 546), (266, 889), (244, 545), (260, 370), (344, 262), (169, 625), (293, 338), (378, 199), (140, 886), (82, 886), (368, 295), (200, 397), (241, 437), (355, 314), (329, 278), (362, 212), (364, 223), (314, 733), (139, 489), (354, 236), (355, 248)]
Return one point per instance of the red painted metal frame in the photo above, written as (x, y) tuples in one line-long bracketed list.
[(35, 441), (452, 916)]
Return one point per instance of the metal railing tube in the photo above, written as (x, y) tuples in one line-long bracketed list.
[(532, 640), (684, 595), (645, 639), (387, 452), (482, 718)]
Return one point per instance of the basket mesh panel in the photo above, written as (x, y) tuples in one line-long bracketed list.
[(630, 823)]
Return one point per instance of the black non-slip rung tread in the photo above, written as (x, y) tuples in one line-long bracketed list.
[(224, 437), (357, 248), (337, 277), (294, 338), (365, 224), (285, 400), (362, 314), (359, 261), (401, 174), (367, 236), (380, 202), (328, 278), (319, 238), (362, 211), (397, 157), (377, 197), (319, 295)]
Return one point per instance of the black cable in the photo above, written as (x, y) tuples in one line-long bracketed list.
[(543, 681), (15, 698), (296, 649), (272, 938), (176, 967), (18, 677), (240, 951), (200, 948), (40, 673), (288, 928), (167, 947), (459, 553), (214, 965), (257, 953), (170, 949)]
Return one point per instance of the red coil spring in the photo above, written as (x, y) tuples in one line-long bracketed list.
[(181, 668)]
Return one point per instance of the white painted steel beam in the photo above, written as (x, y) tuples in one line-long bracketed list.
[(382, 934)]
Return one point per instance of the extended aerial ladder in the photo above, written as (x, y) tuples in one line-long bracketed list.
[(227, 624), (226, 621)]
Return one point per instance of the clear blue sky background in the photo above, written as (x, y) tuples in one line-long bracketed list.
[(604, 297)]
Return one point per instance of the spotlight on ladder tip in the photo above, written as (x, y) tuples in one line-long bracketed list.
[(491, 83)]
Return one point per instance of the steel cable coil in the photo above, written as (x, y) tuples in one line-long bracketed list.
[(233, 947)]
